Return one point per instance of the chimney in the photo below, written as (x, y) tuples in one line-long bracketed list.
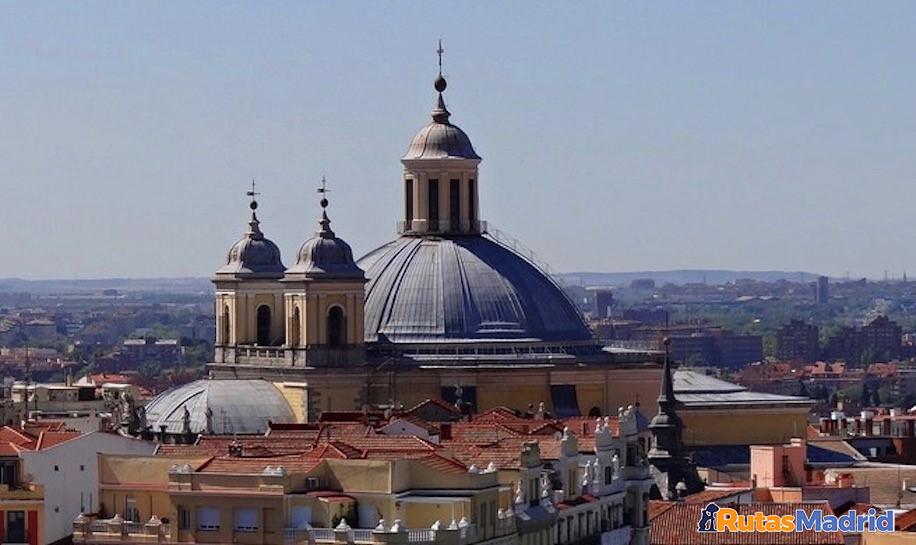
[(162, 428)]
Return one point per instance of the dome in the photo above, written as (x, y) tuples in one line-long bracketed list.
[(325, 255), (253, 255), (441, 141), (469, 288), (236, 406)]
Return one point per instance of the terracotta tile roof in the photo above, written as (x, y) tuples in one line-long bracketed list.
[(439, 404), (677, 525), (905, 522), (48, 439), (715, 494)]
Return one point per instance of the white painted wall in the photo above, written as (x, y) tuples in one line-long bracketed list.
[(70, 474)]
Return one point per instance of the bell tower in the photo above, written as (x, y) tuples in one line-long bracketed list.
[(249, 295), (441, 176), (324, 293)]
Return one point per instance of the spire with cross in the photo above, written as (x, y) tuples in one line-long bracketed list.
[(440, 51), (253, 230), (252, 193)]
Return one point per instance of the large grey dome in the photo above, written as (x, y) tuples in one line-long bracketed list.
[(446, 290), (253, 255), (236, 406)]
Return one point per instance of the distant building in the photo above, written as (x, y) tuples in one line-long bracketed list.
[(648, 316), (822, 290), (603, 302), (717, 348), (166, 351), (798, 341), (879, 341), (882, 339), (643, 284)]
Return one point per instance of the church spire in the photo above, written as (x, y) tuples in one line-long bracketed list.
[(666, 426), (440, 112), (254, 230), (324, 222)]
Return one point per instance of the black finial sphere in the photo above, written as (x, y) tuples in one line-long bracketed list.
[(440, 84), (323, 202), (253, 205), (666, 341)]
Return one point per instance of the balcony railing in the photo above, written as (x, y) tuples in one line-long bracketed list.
[(117, 530), (466, 534)]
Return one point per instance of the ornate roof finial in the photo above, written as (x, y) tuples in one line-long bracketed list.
[(440, 112), (253, 230), (325, 231)]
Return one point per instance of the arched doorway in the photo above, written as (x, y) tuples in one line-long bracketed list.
[(594, 412), (337, 327), (294, 328), (263, 325), (226, 326)]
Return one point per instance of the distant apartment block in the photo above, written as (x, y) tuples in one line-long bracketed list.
[(879, 341), (798, 341), (719, 348), (822, 290)]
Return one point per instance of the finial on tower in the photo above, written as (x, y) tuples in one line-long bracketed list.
[(440, 112), (324, 222), (253, 230), (252, 193), (323, 190)]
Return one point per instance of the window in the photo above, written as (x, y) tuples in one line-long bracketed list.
[(56, 468), (225, 339), (207, 518), (82, 467), (264, 325), (15, 527), (535, 492), (408, 204), (337, 327), (184, 518), (246, 520), (131, 512), (608, 474), (300, 517), (312, 483), (472, 201), (294, 328), (454, 204), (8, 473), (433, 202)]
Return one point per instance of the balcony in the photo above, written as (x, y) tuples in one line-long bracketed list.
[(475, 227), (117, 530), (456, 534), (22, 491)]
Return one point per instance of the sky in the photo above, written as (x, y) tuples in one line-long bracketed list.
[(614, 136)]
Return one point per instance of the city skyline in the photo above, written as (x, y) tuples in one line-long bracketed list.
[(681, 138)]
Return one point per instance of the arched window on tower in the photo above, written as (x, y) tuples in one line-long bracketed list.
[(263, 325), (227, 326), (337, 327), (295, 327)]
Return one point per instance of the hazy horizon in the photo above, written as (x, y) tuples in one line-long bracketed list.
[(615, 138)]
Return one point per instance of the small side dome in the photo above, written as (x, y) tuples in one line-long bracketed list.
[(325, 255), (253, 255)]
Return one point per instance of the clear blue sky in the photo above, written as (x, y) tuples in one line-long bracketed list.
[(772, 135)]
